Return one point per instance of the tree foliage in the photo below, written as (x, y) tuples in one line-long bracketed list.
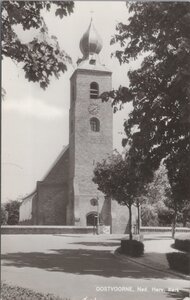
[(155, 211), (42, 57), (120, 179), (12, 209), (4, 215), (159, 124)]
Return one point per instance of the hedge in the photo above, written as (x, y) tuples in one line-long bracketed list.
[(179, 261), (132, 248), (182, 242)]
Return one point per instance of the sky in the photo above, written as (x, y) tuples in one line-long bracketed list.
[(35, 123)]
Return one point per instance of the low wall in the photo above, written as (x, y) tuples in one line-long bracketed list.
[(39, 229), (35, 229), (147, 229)]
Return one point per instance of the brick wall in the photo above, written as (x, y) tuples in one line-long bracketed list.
[(120, 217), (87, 147), (48, 204), (59, 171), (49, 207), (85, 208), (45, 229), (51, 203)]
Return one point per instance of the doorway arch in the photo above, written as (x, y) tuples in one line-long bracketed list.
[(91, 219)]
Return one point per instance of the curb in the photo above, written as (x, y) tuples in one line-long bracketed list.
[(127, 258)]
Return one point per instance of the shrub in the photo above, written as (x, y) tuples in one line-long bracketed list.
[(4, 215), (132, 247), (12, 209), (149, 215), (182, 242), (18, 293), (179, 261)]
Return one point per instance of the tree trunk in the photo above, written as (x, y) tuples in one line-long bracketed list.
[(130, 223), (139, 216), (184, 219), (174, 221)]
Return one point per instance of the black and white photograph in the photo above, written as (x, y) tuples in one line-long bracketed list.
[(95, 150)]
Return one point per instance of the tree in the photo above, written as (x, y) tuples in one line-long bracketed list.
[(185, 210), (149, 215), (155, 212), (12, 208), (4, 215), (41, 57), (120, 179), (159, 124)]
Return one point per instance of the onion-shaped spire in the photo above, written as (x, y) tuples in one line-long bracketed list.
[(91, 42)]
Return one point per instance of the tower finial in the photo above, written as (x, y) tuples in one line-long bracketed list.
[(91, 42), (91, 15)]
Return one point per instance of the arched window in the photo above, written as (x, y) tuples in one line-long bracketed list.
[(95, 124), (94, 90), (91, 219)]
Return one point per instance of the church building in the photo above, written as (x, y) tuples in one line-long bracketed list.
[(64, 196)]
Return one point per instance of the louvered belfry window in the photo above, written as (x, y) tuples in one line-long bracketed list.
[(94, 90)]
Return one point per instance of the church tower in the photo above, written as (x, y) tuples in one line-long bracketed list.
[(90, 132), (64, 195)]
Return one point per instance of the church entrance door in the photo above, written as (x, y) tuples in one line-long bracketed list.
[(91, 219)]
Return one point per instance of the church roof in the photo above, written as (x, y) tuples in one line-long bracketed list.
[(57, 160), (54, 164)]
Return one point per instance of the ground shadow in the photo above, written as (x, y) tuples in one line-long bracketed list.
[(178, 295), (69, 236), (159, 237), (146, 238), (81, 261), (98, 243), (173, 247)]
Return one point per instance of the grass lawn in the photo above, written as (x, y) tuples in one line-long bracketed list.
[(9, 292)]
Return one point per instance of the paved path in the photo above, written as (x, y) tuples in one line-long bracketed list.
[(82, 267)]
